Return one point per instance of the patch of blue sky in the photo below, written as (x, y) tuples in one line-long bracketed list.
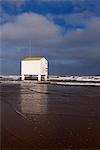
[(61, 22), (9, 8), (44, 8), (53, 7), (68, 26)]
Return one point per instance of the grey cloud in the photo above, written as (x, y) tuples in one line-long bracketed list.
[(30, 27), (89, 36), (74, 18), (79, 46), (45, 34)]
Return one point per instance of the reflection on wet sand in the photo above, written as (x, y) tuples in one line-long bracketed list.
[(40, 116), (34, 99)]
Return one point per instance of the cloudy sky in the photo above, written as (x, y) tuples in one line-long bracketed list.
[(66, 32)]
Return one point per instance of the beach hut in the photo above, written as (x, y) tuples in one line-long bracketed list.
[(34, 67)]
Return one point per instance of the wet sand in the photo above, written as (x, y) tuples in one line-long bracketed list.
[(43, 116)]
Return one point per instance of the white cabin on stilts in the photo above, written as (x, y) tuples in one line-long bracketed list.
[(34, 67)]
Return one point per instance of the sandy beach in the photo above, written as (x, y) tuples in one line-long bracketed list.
[(46, 116)]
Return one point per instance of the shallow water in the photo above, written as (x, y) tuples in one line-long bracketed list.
[(50, 116)]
